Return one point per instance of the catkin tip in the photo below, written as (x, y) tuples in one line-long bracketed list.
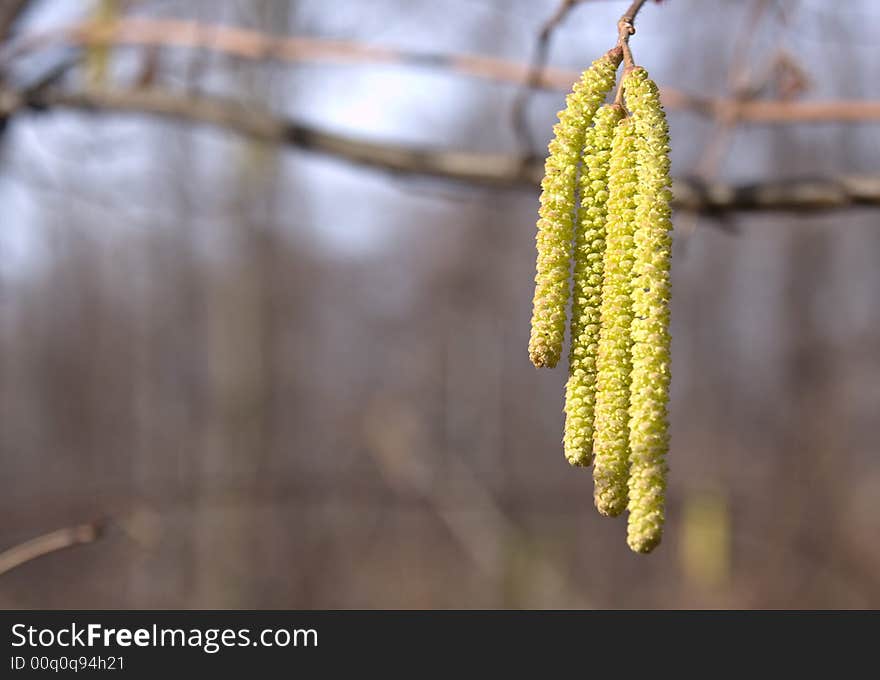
[(610, 507), (644, 546), (579, 459), (543, 359)]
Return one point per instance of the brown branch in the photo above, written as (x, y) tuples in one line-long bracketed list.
[(790, 195), (10, 13), (48, 543), (626, 28), (486, 169), (247, 44), (629, 16), (773, 111)]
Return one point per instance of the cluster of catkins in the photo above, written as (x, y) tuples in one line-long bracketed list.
[(605, 208)]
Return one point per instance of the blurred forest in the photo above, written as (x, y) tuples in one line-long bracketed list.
[(277, 378)]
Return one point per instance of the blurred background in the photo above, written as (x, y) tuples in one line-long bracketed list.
[(243, 371)]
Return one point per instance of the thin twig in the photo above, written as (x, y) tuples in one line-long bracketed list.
[(47, 544), (629, 16), (10, 13), (247, 44), (625, 29)]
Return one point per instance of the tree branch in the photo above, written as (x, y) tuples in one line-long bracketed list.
[(487, 169), (247, 44), (629, 16), (10, 13), (789, 195), (48, 543), (626, 28)]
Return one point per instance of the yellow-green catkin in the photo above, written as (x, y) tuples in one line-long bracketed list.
[(649, 391), (611, 425), (589, 248), (556, 214)]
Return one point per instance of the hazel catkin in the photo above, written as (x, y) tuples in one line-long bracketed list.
[(589, 248), (611, 425), (652, 241), (556, 213)]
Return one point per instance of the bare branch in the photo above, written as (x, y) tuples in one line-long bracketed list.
[(791, 195), (48, 543), (486, 169), (247, 44), (625, 28), (10, 13)]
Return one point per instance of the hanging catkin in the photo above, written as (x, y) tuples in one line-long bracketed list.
[(556, 214), (605, 207), (589, 248), (611, 431), (649, 392)]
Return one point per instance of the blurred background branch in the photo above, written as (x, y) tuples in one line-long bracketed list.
[(254, 45), (10, 12), (60, 539), (499, 170)]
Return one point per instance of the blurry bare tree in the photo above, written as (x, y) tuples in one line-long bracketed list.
[(264, 296)]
